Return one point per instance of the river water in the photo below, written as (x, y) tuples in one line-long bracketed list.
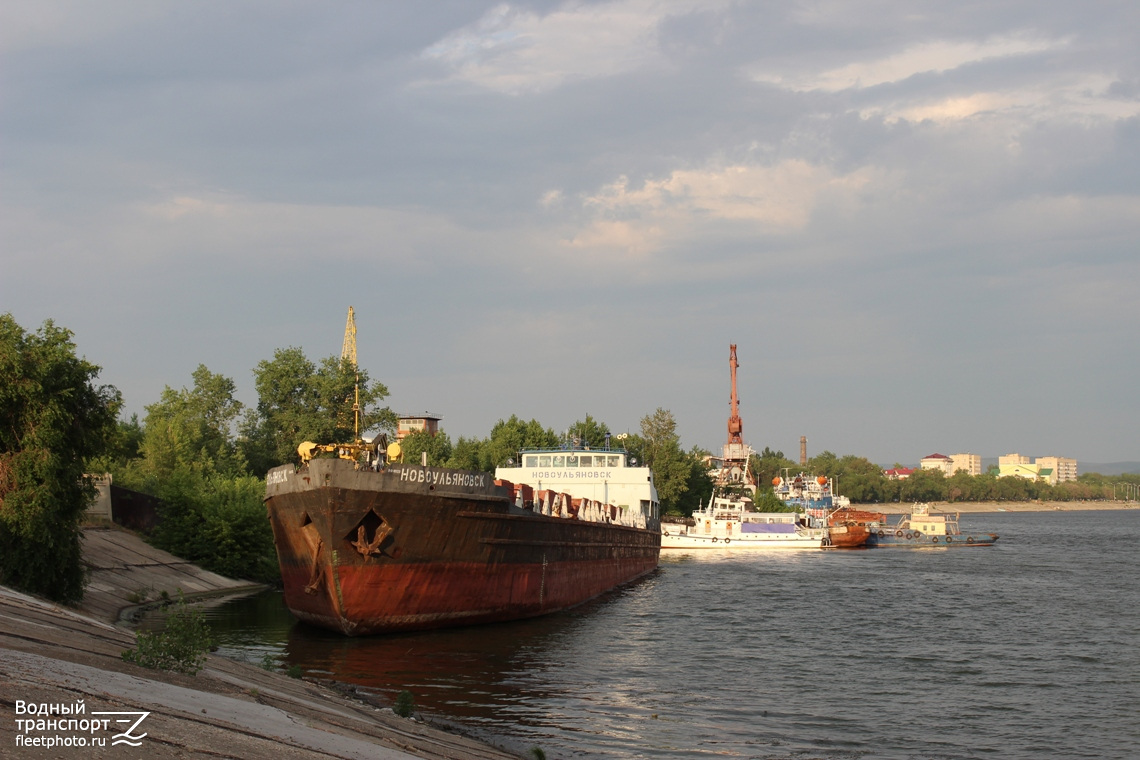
[(1027, 649)]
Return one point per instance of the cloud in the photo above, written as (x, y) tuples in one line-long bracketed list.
[(936, 56), (776, 200), (516, 51), (1082, 98)]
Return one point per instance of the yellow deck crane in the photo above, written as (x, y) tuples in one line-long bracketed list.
[(356, 450)]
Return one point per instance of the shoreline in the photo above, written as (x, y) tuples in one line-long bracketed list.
[(64, 657), (970, 507)]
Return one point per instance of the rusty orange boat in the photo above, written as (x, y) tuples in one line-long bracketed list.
[(369, 548), (851, 528)]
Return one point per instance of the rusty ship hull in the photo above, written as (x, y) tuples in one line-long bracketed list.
[(409, 548)]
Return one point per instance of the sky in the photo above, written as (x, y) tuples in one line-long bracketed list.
[(919, 222)]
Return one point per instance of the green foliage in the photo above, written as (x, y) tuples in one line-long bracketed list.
[(438, 448), (509, 437), (589, 432), (193, 428), (299, 401), (52, 419), (538, 754), (659, 448), (698, 485), (294, 671), (467, 454), (405, 705), (768, 465), (181, 645), (218, 523), (766, 500)]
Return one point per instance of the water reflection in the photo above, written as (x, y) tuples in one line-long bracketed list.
[(469, 673)]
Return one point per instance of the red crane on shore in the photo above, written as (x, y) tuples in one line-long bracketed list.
[(735, 424)]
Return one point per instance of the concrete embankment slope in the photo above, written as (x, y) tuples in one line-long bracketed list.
[(53, 655)]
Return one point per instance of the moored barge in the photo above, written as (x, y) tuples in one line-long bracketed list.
[(367, 548)]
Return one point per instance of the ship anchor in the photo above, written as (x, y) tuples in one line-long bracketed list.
[(366, 547)]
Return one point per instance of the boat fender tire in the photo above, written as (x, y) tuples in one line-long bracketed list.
[(880, 534), (909, 536), (665, 532), (898, 534), (934, 539), (714, 539), (949, 539), (728, 540), (970, 540)]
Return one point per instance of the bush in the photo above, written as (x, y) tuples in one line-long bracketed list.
[(405, 705), (219, 523), (181, 646)]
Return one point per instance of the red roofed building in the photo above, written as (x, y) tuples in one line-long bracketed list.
[(899, 473)]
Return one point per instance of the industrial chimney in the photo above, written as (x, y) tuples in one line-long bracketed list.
[(803, 451)]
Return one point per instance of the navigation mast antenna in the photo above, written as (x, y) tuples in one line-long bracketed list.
[(348, 351), (735, 424)]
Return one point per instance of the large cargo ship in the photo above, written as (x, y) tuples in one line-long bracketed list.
[(367, 548)]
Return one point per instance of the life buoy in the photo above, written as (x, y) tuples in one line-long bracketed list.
[(898, 534), (970, 539)]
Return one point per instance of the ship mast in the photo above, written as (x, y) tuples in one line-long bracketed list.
[(348, 351)]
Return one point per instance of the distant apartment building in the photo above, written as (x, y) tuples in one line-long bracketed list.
[(1062, 468), (1053, 470), (970, 463)]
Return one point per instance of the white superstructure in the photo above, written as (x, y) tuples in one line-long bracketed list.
[(727, 523), (605, 476)]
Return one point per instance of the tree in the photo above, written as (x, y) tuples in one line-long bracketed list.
[(659, 447), (768, 465), (299, 401), (52, 419), (698, 483), (191, 427), (466, 454), (589, 432), (438, 448), (511, 436), (212, 509)]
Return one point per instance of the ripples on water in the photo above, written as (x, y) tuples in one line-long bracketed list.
[(1028, 649)]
